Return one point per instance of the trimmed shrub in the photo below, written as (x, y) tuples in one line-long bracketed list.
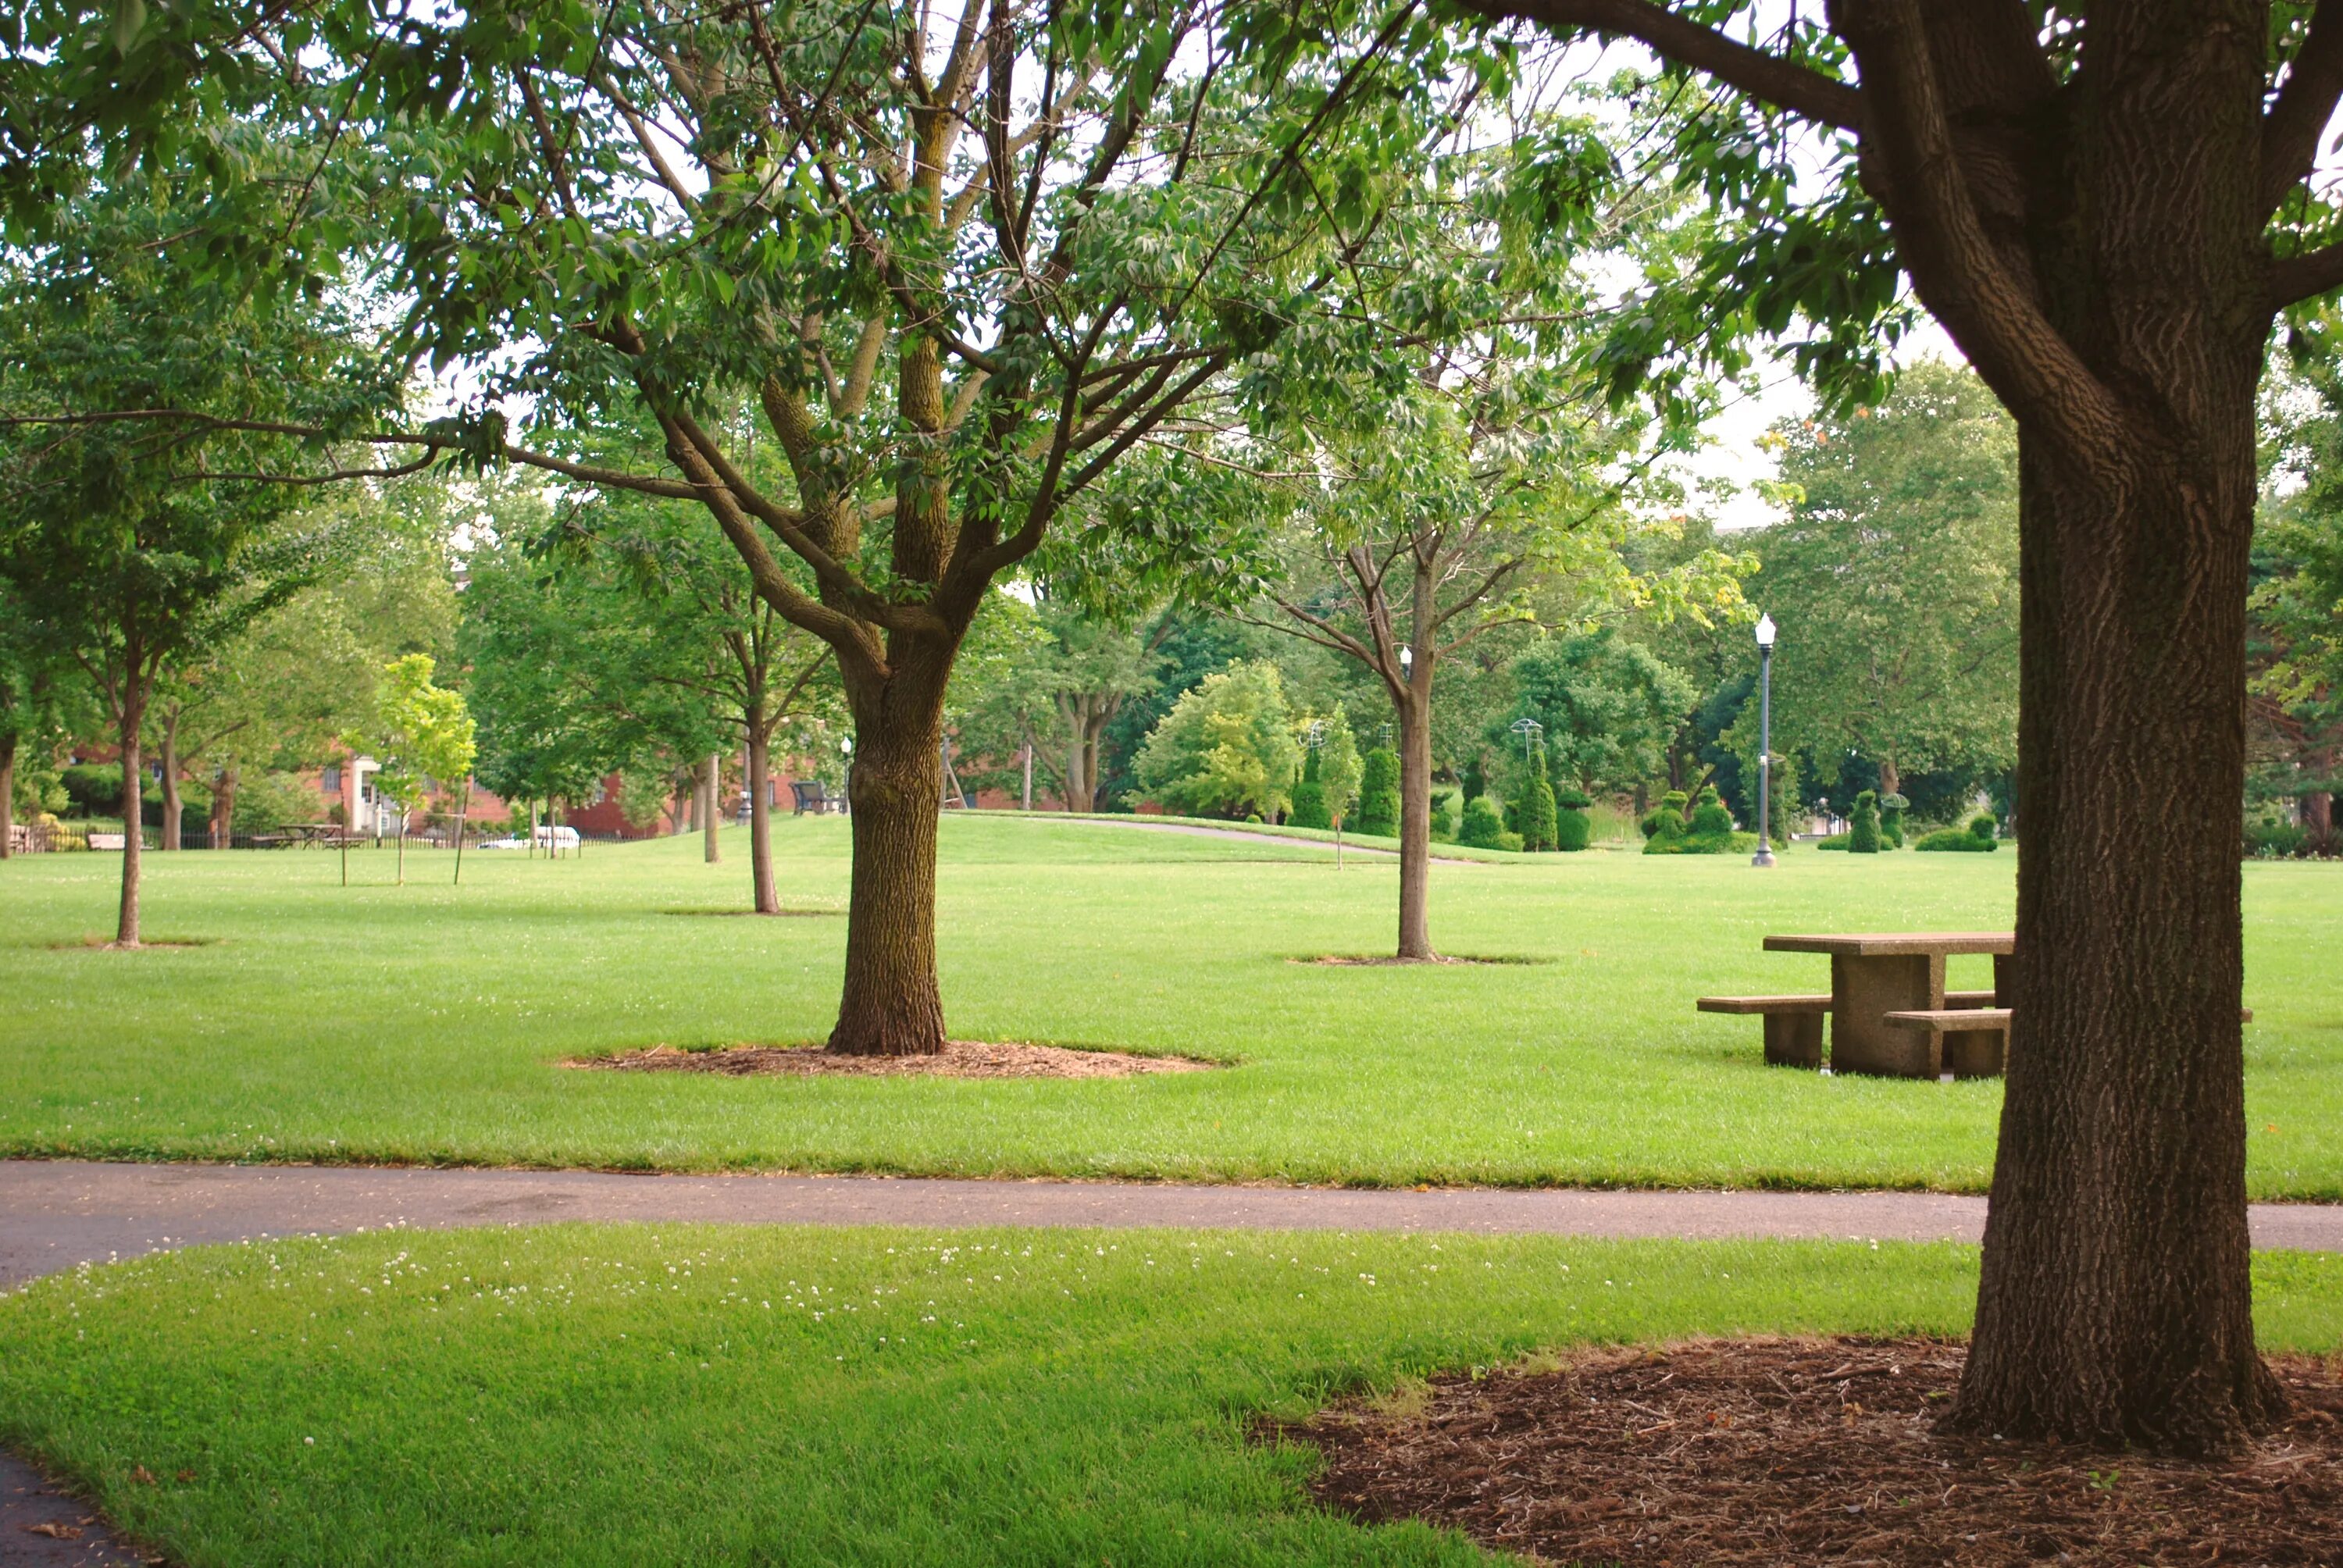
[(1836, 842), (1444, 819), (1863, 832), (1482, 827), (1309, 809), (1665, 818), (1572, 829), (1710, 816), (1954, 840), (1535, 808), (1984, 827), (94, 789), (1477, 779), (1891, 817), (1379, 792), (1512, 842)]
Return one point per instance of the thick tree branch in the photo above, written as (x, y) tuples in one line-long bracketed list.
[(2305, 102), (2294, 279), (1766, 77)]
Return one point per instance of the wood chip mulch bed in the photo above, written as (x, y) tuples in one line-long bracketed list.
[(961, 1059), (1811, 1451)]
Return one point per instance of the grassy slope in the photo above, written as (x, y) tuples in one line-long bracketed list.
[(577, 1395), (423, 1022)]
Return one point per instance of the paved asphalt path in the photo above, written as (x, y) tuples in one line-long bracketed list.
[(56, 1214)]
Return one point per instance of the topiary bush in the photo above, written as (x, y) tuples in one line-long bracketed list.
[(1512, 842), (1710, 817), (1863, 830), (1481, 826), (1667, 817), (1535, 808), (1379, 792), (1572, 827), (1983, 826), (1477, 779), (1443, 815), (1309, 808), (1891, 817)]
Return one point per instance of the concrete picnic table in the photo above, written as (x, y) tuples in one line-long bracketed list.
[(1875, 973)]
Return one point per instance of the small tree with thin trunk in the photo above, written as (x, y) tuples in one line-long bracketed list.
[(419, 734)]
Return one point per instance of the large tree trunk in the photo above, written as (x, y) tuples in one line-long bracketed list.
[(2116, 1303), (168, 838), (223, 822), (7, 792), (1891, 782), (710, 787), (2116, 1300), (890, 1004), (131, 718), (760, 816)]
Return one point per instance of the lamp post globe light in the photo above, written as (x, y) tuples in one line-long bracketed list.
[(1406, 663), (1765, 628)]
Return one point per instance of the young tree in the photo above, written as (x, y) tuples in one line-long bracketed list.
[(420, 735), (2107, 208), (1227, 747)]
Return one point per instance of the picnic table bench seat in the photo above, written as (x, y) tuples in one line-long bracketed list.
[(1794, 1024), (1965, 1042)]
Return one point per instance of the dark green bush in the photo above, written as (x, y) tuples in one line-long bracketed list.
[(1379, 792), (1571, 798), (1665, 818), (1534, 808), (1482, 826), (1572, 829), (1509, 841), (1443, 815), (1984, 827), (1863, 834), (1309, 807), (1836, 841), (1710, 817), (1891, 817), (1477, 779), (94, 789)]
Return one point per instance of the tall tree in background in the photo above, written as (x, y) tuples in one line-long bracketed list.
[(2297, 630), (2107, 206), (1895, 582), (149, 540)]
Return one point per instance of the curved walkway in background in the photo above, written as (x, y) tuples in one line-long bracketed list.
[(54, 1214)]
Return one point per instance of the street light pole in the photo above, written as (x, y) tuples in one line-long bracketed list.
[(1765, 856)]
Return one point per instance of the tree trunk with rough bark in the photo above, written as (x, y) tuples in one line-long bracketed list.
[(891, 1004), (711, 787), (223, 820), (1891, 782), (168, 837), (766, 894), (2116, 1300)]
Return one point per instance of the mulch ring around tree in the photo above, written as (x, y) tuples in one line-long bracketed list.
[(961, 1059), (1809, 1452)]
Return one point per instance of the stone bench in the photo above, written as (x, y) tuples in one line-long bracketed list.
[(1794, 1024), (1965, 1042)]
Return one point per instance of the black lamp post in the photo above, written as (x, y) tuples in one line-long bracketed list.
[(1765, 856)]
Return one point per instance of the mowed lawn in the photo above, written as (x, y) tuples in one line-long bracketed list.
[(426, 1023), (619, 1395)]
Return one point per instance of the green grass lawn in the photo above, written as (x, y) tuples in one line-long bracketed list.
[(602, 1394), (424, 1022)]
